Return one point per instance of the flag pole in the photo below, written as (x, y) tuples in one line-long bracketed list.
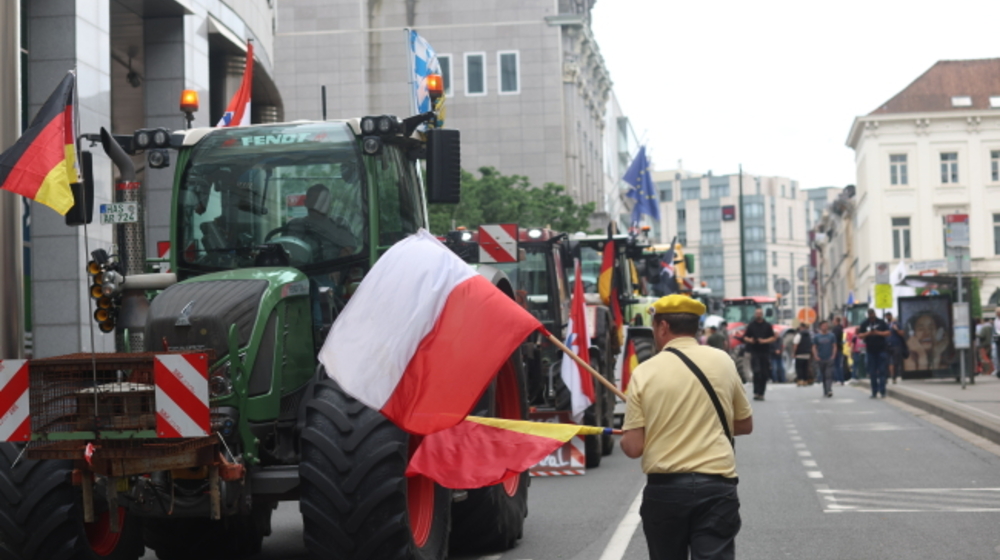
[(611, 387)]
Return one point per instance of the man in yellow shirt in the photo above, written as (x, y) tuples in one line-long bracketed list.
[(671, 421)]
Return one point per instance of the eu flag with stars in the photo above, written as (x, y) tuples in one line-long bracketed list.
[(640, 182)]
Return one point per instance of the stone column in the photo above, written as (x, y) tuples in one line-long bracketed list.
[(63, 35)]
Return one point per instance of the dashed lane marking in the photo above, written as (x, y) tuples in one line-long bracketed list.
[(618, 544), (814, 474), (912, 500), (808, 463), (805, 454)]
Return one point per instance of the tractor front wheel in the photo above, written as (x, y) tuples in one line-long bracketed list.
[(357, 502)]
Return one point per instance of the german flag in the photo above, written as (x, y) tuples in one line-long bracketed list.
[(629, 362), (607, 287), (42, 163)]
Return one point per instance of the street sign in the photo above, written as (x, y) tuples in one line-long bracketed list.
[(960, 322), (881, 273), (806, 315), (728, 213), (956, 230), (958, 259), (120, 213), (932, 266), (782, 286), (883, 296)]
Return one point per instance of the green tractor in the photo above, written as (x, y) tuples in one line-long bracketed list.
[(273, 227)]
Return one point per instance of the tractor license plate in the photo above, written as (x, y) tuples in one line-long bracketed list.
[(121, 213)]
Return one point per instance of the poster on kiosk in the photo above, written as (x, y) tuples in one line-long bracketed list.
[(930, 348)]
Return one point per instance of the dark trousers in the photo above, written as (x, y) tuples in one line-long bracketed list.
[(760, 364), (878, 371), (803, 372), (693, 513)]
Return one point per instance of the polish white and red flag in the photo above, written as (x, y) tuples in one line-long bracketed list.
[(423, 336), (238, 111), (577, 380)]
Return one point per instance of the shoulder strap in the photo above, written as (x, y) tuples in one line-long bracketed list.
[(708, 388)]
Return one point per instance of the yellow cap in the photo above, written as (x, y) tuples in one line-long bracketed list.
[(677, 303)]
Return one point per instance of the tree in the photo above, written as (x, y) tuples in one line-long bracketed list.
[(494, 198)]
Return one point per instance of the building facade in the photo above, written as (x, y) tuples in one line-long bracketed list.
[(702, 211), (833, 241), (133, 58), (930, 151), (525, 82), (620, 146)]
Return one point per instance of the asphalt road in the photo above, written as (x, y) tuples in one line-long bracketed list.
[(840, 478)]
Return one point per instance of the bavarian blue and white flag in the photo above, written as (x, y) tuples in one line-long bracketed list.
[(425, 62)]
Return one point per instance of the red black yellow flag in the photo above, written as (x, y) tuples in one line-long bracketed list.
[(42, 163)]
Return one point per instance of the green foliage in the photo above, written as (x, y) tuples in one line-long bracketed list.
[(494, 198)]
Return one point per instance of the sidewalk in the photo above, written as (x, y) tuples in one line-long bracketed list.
[(976, 408)]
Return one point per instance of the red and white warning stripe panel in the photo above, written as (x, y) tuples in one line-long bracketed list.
[(563, 472), (15, 421), (163, 252), (181, 395), (568, 460), (498, 243)]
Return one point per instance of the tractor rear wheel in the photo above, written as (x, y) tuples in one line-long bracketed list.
[(492, 518), (41, 516), (357, 502)]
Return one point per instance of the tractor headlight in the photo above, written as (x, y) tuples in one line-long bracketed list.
[(219, 383), (368, 125), (371, 145)]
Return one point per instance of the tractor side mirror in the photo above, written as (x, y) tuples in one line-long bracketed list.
[(444, 166), (82, 211)]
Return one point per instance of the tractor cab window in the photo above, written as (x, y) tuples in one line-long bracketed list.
[(532, 284), (299, 186), (399, 201), (739, 313)]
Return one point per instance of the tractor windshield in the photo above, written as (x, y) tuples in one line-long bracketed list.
[(296, 185), (739, 313), (533, 284)]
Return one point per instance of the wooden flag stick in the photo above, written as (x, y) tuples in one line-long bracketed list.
[(611, 387)]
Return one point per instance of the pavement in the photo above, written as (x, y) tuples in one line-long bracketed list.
[(975, 408)]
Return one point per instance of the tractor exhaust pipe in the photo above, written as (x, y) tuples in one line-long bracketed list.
[(131, 241)]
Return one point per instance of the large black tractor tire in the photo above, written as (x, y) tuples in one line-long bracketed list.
[(491, 519), (186, 538), (41, 515), (357, 502), (644, 349)]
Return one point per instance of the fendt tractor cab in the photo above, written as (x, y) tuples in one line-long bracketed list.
[(273, 227), (541, 277)]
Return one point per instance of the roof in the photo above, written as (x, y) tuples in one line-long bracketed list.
[(934, 89)]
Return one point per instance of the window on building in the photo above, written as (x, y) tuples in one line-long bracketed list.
[(791, 224), (757, 282), (711, 260), (774, 258), (995, 165), (682, 238), (897, 169), (691, 192), (711, 238), (754, 233), (996, 234), (949, 167), (756, 256), (753, 210), (782, 191), (718, 191), (509, 64), (774, 222), (475, 73), (445, 61), (900, 238), (682, 216), (793, 190), (716, 284), (711, 214), (666, 191)]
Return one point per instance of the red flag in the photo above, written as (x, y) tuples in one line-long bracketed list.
[(423, 336), (88, 453), (42, 163), (578, 381), (481, 452), (629, 363), (238, 111)]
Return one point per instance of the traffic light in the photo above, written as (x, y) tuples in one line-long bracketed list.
[(106, 313)]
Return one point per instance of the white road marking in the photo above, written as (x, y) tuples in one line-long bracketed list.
[(796, 438), (875, 427), (793, 431), (809, 463), (814, 474), (799, 446), (805, 454), (615, 550)]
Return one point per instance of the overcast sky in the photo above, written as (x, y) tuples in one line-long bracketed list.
[(775, 84)]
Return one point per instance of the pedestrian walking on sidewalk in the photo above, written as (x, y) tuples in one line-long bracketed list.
[(898, 351), (984, 342), (690, 505), (824, 353), (838, 360), (777, 361), (875, 331), (996, 343), (758, 337), (803, 356)]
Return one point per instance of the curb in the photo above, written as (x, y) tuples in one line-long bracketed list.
[(963, 416)]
